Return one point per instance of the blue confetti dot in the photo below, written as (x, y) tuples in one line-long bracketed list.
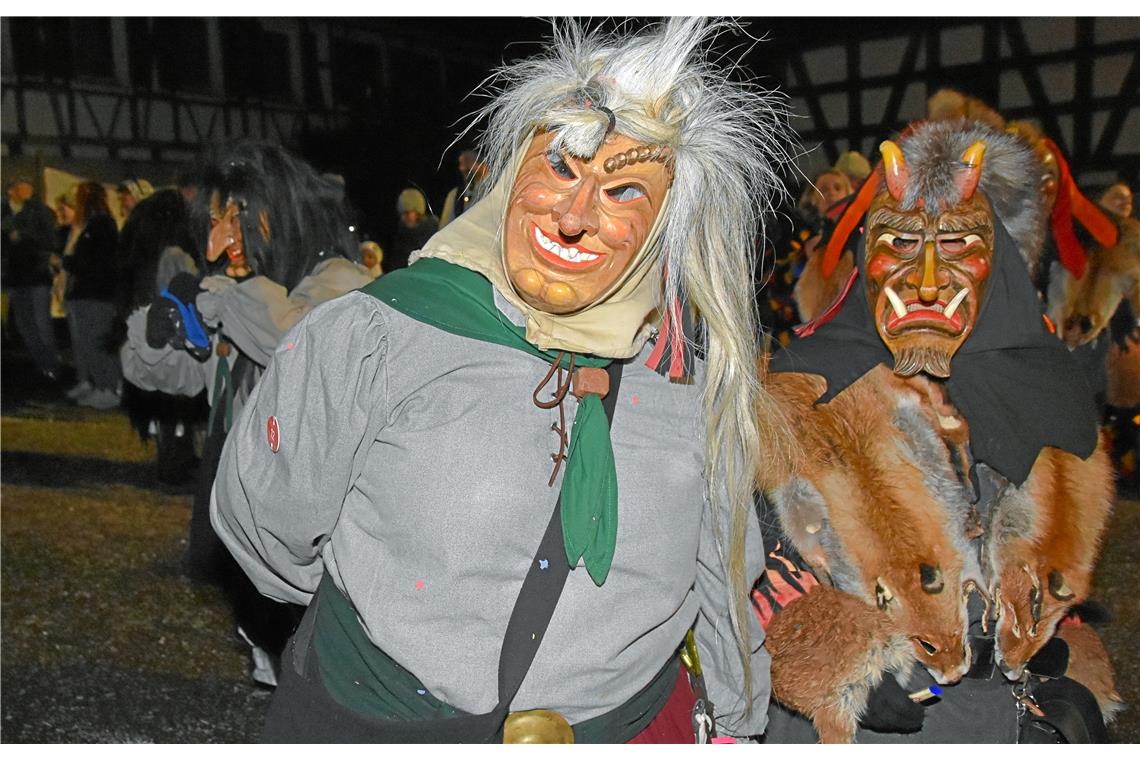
[(936, 690), (543, 564), (421, 692)]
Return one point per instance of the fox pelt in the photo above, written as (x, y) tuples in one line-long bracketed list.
[(1081, 309), (1090, 666), (877, 509), (1039, 552), (880, 508), (829, 651)]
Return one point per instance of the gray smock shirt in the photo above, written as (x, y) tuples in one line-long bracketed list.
[(412, 465)]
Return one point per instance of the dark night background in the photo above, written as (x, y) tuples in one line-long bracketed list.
[(379, 100)]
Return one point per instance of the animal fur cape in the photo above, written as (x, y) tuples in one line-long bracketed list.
[(1013, 381)]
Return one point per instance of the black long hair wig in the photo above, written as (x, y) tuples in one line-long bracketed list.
[(307, 222)]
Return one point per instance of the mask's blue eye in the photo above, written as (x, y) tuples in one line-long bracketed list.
[(558, 165), (625, 193)]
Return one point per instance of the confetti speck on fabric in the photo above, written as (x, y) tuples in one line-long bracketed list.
[(419, 585), (543, 564)]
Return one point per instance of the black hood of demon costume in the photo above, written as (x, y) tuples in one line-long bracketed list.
[(1013, 380)]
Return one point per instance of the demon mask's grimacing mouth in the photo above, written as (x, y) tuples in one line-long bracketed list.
[(926, 271), (574, 226)]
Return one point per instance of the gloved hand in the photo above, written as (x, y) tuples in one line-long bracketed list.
[(891, 711), (1051, 661), (210, 300), (173, 319)]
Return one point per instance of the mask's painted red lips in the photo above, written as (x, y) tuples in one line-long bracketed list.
[(920, 312), (940, 315), (564, 256)]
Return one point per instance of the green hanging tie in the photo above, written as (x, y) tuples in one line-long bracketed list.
[(223, 396), (461, 302), (589, 491)]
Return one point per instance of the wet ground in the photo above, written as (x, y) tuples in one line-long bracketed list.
[(105, 640), (103, 637)]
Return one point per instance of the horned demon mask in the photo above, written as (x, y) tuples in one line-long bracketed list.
[(927, 265)]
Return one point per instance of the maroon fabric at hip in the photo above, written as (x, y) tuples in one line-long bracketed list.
[(674, 724)]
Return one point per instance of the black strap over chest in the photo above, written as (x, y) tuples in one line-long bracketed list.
[(540, 591)]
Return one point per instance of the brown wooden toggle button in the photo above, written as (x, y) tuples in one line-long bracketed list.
[(590, 380)]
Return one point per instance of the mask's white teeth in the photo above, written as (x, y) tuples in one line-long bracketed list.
[(896, 302), (572, 255), (955, 302)]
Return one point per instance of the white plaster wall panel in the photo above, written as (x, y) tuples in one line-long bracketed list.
[(89, 151), (160, 124), (1059, 81), (961, 45), (1109, 73), (39, 115), (122, 127), (1099, 121), (834, 107), (913, 103), (1049, 35), (8, 121), (202, 118), (235, 122), (875, 105), (134, 153), (1121, 29), (881, 57), (85, 126), (104, 108), (826, 65), (1090, 181), (1129, 140), (1012, 90), (254, 124)]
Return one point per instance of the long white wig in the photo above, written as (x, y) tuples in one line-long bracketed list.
[(730, 139)]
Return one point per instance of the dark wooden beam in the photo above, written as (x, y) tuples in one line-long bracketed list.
[(1127, 100), (1042, 106)]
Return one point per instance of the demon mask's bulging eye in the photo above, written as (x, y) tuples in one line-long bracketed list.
[(900, 242), (957, 245)]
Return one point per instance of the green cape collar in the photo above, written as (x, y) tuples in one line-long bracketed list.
[(461, 301)]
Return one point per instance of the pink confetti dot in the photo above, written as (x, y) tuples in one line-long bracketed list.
[(635, 399), (419, 585), (289, 346)]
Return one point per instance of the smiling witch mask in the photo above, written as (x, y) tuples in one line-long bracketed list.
[(574, 226), (927, 268)]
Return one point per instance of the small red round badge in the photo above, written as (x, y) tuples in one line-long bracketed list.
[(273, 434)]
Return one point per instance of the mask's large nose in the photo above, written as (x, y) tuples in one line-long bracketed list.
[(928, 290), (221, 237), (577, 213)]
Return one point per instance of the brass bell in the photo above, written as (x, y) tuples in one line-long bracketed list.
[(537, 727)]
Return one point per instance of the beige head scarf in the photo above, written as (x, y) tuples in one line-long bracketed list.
[(616, 326)]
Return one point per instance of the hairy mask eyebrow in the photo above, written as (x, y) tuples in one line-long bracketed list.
[(896, 220), (962, 222)]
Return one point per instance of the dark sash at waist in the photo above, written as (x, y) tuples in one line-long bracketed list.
[(364, 679)]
